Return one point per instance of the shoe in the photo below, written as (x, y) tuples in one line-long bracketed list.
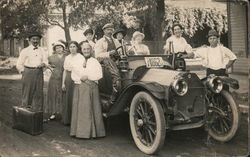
[(105, 115), (52, 117)]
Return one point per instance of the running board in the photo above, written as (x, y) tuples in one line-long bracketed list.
[(188, 126)]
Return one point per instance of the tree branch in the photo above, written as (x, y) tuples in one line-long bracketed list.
[(52, 22)]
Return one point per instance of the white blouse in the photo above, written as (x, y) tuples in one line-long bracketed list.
[(93, 71), (140, 49), (179, 44), (71, 60)]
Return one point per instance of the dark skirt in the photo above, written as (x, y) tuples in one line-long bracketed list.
[(54, 96), (67, 99), (32, 88), (87, 120)]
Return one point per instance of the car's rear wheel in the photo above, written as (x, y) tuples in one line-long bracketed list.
[(147, 123), (224, 119)]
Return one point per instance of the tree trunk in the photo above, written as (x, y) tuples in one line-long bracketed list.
[(1, 35), (154, 26), (12, 47), (160, 12), (66, 25)]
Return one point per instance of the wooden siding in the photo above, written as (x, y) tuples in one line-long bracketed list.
[(238, 26), (237, 14), (241, 65)]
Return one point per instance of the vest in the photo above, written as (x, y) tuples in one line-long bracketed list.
[(111, 44)]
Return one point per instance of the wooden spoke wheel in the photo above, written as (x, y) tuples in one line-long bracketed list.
[(147, 123), (224, 117)]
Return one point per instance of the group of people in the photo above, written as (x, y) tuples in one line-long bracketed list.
[(215, 58), (73, 93)]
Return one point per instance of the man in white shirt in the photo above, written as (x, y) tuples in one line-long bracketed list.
[(216, 58), (105, 52), (30, 64)]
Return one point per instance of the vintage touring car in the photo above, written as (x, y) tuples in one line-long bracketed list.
[(160, 94)]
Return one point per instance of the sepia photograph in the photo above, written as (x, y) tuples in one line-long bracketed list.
[(124, 78)]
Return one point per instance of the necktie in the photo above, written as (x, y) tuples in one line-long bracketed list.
[(35, 48)]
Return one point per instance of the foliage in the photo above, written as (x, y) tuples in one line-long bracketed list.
[(19, 17), (194, 19)]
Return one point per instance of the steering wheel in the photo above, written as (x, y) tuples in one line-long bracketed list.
[(120, 47)]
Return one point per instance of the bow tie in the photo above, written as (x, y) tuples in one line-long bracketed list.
[(35, 48)]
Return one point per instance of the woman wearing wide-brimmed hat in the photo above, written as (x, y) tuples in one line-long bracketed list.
[(137, 46), (54, 95), (119, 39)]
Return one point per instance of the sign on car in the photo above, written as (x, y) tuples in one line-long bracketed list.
[(154, 62)]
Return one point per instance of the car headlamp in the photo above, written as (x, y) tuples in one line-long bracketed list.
[(180, 86), (215, 83)]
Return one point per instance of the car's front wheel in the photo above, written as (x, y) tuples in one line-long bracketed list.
[(225, 117), (147, 123)]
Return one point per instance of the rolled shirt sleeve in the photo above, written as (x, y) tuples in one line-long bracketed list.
[(229, 54), (21, 60), (200, 53)]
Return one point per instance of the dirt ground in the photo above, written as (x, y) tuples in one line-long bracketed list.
[(55, 141)]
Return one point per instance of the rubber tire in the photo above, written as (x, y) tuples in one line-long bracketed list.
[(160, 123), (236, 118)]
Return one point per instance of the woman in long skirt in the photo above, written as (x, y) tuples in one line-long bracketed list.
[(67, 83), (87, 120), (54, 95)]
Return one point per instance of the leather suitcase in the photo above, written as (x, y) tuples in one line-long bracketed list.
[(28, 121)]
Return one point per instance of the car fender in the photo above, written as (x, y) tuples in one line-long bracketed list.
[(155, 89), (233, 83)]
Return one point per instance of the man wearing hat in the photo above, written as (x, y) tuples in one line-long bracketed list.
[(30, 64), (216, 58), (89, 34), (105, 50)]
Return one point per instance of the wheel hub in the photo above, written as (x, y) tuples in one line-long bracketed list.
[(140, 122)]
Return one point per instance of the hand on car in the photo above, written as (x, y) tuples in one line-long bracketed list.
[(112, 52)]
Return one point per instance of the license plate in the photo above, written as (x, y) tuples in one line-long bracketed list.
[(154, 62)]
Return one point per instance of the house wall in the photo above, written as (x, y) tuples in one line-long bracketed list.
[(238, 29), (238, 36)]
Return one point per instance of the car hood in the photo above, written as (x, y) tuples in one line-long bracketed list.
[(161, 76)]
